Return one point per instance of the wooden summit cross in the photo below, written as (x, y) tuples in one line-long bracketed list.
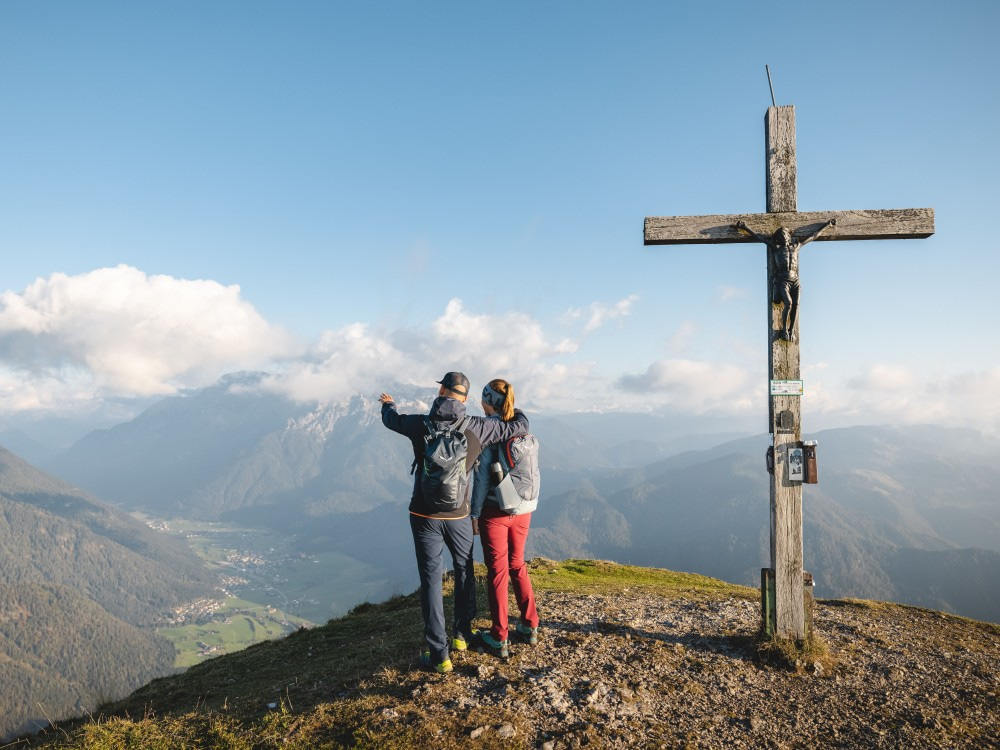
[(785, 385)]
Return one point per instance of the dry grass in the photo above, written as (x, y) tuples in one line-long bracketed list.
[(349, 683)]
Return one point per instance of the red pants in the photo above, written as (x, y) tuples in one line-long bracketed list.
[(503, 537)]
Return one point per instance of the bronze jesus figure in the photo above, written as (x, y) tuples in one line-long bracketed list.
[(784, 249)]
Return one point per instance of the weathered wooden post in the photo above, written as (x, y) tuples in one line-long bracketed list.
[(784, 377)]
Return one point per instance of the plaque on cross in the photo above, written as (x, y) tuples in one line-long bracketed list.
[(784, 230)]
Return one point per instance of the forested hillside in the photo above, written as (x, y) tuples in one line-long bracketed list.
[(60, 653), (83, 584)]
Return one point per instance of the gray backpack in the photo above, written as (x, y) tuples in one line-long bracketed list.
[(518, 491)]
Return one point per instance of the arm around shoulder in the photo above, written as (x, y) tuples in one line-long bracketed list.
[(490, 431), (517, 426)]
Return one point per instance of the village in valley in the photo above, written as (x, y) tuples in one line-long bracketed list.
[(254, 600)]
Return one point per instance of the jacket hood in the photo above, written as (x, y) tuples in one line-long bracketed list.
[(446, 409)]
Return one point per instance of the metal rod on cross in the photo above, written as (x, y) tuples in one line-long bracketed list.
[(784, 230)]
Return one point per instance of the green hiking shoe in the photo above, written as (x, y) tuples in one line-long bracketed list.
[(459, 643), (443, 668), (499, 648), (526, 634)]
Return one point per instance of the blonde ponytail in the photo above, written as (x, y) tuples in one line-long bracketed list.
[(506, 390)]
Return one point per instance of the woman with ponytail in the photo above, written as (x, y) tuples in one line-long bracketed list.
[(503, 536)]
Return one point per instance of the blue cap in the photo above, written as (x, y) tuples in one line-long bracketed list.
[(457, 382)]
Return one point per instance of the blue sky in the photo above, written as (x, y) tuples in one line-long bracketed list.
[(353, 194)]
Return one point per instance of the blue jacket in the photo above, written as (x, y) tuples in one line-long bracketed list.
[(482, 485), (448, 411)]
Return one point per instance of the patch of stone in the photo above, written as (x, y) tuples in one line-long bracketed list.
[(640, 670)]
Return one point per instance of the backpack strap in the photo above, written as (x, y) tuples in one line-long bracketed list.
[(473, 446), (474, 450), (416, 458), (505, 451)]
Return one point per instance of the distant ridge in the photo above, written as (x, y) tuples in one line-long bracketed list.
[(625, 487)]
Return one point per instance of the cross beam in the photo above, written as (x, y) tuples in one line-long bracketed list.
[(783, 359), (897, 224)]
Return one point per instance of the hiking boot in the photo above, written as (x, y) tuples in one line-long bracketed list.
[(459, 643), (526, 634), (443, 668), (499, 648)]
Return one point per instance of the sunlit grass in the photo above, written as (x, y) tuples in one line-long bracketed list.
[(594, 575)]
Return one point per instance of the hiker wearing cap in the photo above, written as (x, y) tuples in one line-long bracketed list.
[(503, 534), (433, 530)]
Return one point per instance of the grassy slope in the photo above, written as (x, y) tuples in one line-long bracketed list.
[(314, 688), (352, 682)]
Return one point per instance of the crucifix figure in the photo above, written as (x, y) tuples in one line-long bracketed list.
[(784, 250), (778, 229)]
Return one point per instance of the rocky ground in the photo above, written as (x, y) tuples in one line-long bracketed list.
[(639, 670)]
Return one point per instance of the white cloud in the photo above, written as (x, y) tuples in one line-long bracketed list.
[(882, 394), (69, 342), (730, 293), (506, 341), (342, 363), (682, 337), (893, 394), (118, 332), (511, 345), (598, 313), (885, 379), (697, 387)]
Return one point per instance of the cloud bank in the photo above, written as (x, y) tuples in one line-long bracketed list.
[(72, 342), (893, 394), (360, 358), (116, 332)]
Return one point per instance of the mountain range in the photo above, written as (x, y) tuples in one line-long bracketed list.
[(900, 514), (909, 514)]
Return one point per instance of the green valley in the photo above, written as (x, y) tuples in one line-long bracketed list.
[(268, 588)]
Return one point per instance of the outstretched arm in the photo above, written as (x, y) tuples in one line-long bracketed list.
[(390, 417), (741, 226), (411, 425), (818, 232)]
